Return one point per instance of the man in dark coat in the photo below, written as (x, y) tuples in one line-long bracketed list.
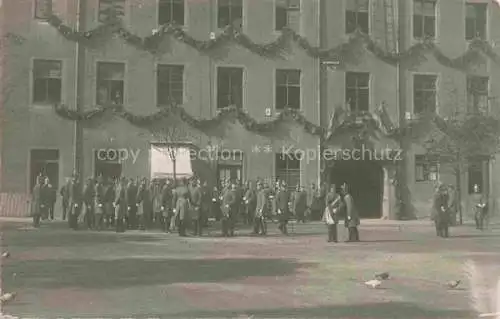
[(121, 206), (216, 204), (352, 218), (314, 202), (300, 204), (51, 200), (206, 203), (75, 203), (46, 195), (109, 198), (99, 203), (250, 200), (88, 201), (196, 208), (64, 192), (177, 193), (145, 201), (283, 208), (229, 211), (131, 197), (37, 201), (331, 214), (441, 212), (182, 210), (261, 210)]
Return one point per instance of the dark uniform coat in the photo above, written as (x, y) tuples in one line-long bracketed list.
[(440, 211), (262, 206), (121, 207), (282, 205), (299, 202), (352, 217), (145, 201), (196, 197), (229, 203)]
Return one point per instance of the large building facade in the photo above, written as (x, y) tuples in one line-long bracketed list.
[(46, 68)]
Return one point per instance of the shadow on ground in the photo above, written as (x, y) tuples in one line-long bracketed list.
[(126, 273), (392, 310)]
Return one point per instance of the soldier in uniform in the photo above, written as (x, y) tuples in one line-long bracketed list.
[(206, 203), (352, 218), (331, 214), (300, 204), (250, 199), (132, 205), (64, 192), (196, 206), (182, 211), (88, 201), (38, 201), (121, 206), (216, 204), (75, 201), (441, 212), (313, 201), (51, 200), (228, 211), (283, 208), (109, 198), (480, 208), (145, 205), (99, 203), (261, 210)]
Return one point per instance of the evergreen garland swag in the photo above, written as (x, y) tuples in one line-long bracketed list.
[(343, 53), (147, 121)]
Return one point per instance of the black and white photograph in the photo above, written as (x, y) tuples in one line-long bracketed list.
[(250, 159)]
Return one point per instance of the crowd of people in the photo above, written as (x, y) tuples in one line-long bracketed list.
[(128, 204)]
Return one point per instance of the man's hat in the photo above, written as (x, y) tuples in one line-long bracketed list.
[(344, 187)]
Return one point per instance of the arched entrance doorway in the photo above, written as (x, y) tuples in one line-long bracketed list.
[(366, 181)]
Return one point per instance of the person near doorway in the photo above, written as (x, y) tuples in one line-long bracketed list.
[(261, 211), (331, 214), (283, 208), (145, 209), (64, 193), (250, 199), (109, 197), (228, 211), (313, 202), (441, 214), (480, 208), (131, 195), (196, 203), (88, 201), (121, 206), (99, 204), (352, 218), (182, 211), (300, 204), (51, 199), (216, 204), (75, 202), (38, 201)]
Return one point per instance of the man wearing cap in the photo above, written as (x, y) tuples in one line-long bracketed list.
[(88, 201), (480, 207), (132, 205), (228, 211), (300, 204), (331, 214), (120, 205), (64, 193), (261, 210), (99, 203), (75, 202), (441, 211), (250, 199), (196, 206), (352, 218), (37, 202), (283, 208)]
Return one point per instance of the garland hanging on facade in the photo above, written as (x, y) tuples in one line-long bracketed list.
[(201, 124), (357, 44)]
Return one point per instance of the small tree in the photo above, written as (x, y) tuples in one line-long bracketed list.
[(461, 138), (170, 137)]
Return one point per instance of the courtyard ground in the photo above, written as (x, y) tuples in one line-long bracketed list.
[(58, 273)]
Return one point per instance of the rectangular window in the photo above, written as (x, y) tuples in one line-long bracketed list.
[(424, 19), (43, 9), (425, 169), (477, 93), (229, 12), (110, 83), (476, 20), (357, 16), (287, 89), (475, 173), (171, 12), (288, 168), (357, 91), (229, 87), (170, 85), (230, 166), (44, 162), (287, 14), (424, 93), (47, 81), (110, 10)]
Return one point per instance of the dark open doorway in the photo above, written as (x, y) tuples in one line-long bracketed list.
[(365, 179)]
